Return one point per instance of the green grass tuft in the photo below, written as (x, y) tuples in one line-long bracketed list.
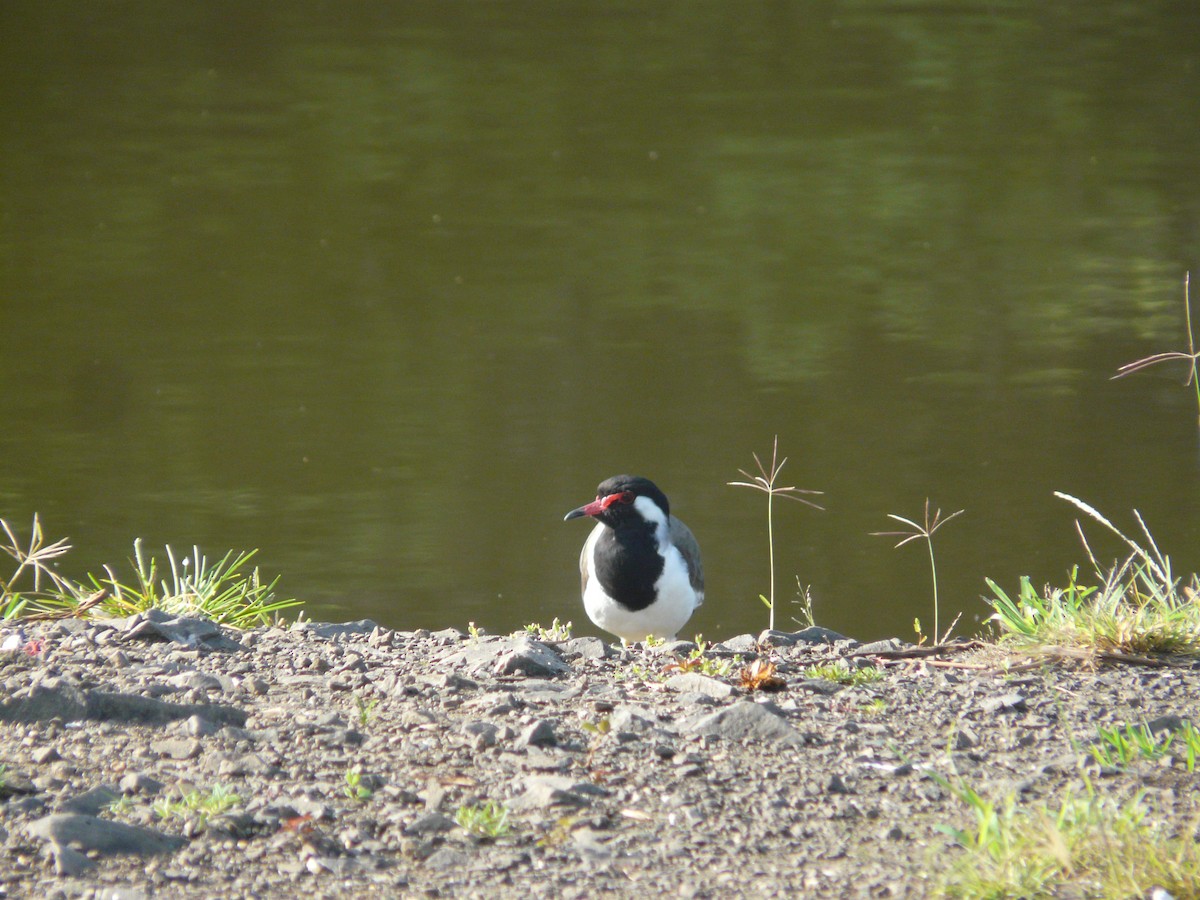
[(840, 673), (1088, 845), (206, 805), (228, 591), (1137, 607), (484, 820)]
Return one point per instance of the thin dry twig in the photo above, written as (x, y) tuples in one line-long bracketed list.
[(1192, 356), (72, 612)]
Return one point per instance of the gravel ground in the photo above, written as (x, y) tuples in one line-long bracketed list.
[(351, 749)]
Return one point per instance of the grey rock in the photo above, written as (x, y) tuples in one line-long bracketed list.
[(57, 699), (535, 689), (540, 733), (60, 699), (677, 648), (430, 823), (239, 765), (156, 624), (44, 755), (748, 720), (821, 686), (1171, 723), (455, 683), (90, 833), (530, 658), (695, 683), (891, 645), (542, 791), (68, 862), (742, 643), (1013, 702), (195, 681), (93, 802), (837, 785), (633, 719), (483, 733), (965, 739), (446, 858), (585, 648), (15, 782), (138, 783), (177, 748), (135, 708), (333, 630), (198, 726), (811, 635)]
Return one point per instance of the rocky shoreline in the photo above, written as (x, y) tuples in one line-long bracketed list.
[(351, 749)]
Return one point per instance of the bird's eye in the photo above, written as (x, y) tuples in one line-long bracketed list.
[(622, 497)]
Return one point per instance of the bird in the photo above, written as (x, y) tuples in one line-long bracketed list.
[(640, 566)]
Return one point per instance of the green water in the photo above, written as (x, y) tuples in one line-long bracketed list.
[(385, 289)]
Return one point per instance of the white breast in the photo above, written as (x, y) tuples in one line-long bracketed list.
[(662, 619)]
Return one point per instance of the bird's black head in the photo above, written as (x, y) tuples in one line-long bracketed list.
[(614, 503)]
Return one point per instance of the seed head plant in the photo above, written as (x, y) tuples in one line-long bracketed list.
[(765, 481), (925, 532)]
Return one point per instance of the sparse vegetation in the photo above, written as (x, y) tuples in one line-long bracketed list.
[(558, 631), (924, 532), (354, 788), (841, 673), (197, 803), (1192, 356), (1090, 845), (1138, 607), (698, 661), (224, 591), (1118, 747), (365, 708), (488, 820), (764, 481)]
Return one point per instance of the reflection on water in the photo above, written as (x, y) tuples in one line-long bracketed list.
[(383, 292)]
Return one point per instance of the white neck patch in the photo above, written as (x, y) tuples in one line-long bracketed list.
[(651, 513)]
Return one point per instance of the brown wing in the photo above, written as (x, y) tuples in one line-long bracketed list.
[(685, 541)]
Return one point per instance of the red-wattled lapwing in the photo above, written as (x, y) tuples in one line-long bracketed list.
[(640, 565)]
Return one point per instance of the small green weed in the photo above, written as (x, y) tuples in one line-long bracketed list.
[(804, 600), (558, 631), (1118, 747), (600, 727), (365, 708), (840, 673), (697, 661), (206, 805), (484, 820), (122, 805), (354, 787), (875, 707)]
